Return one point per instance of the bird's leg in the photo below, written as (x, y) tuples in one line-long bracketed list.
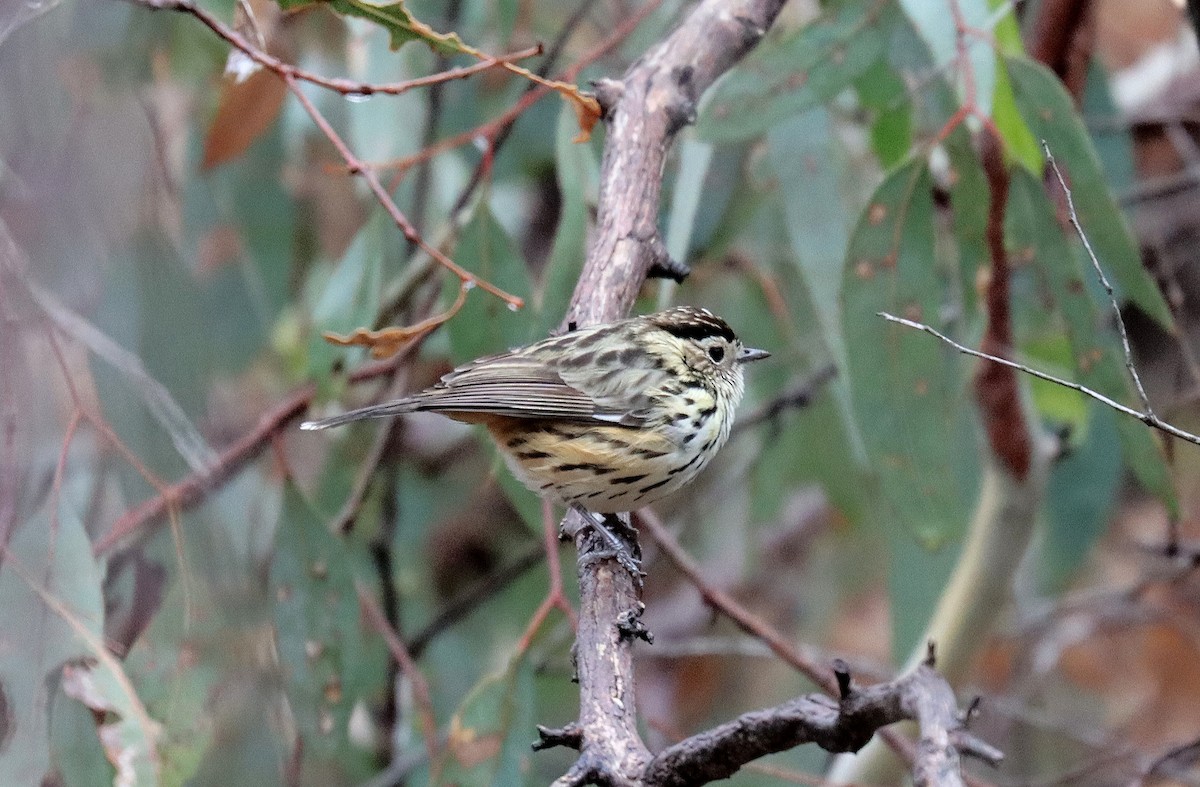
[(618, 547)]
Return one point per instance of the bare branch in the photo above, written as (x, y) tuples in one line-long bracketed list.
[(1149, 419), (348, 87), (385, 199), (843, 725), (193, 489), (1108, 288)]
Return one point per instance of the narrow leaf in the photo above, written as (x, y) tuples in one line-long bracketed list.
[(1051, 115)]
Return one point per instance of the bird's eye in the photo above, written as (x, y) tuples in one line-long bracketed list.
[(716, 353)]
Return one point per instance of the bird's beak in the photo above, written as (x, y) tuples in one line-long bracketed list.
[(747, 354)]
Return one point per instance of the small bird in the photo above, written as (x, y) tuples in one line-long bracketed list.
[(606, 418)]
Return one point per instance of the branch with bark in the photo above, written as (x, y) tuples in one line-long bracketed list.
[(644, 111), (842, 725)]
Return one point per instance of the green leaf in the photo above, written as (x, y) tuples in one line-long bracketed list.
[(882, 91), (1019, 141), (52, 615), (1006, 31), (1036, 236), (916, 581), (687, 195), (969, 201), (807, 160), (936, 23), (346, 296), (324, 653), (394, 17), (784, 76), (1051, 115), (485, 324), (909, 397), (1061, 406), (1079, 499), (489, 734), (577, 172)]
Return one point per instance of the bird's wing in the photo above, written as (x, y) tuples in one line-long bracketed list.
[(519, 386)]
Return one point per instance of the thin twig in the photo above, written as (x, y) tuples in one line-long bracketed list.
[(718, 599), (385, 199), (1112, 298), (408, 666), (348, 87), (1149, 419), (804, 663), (796, 397), (494, 141), (195, 488), (492, 129)]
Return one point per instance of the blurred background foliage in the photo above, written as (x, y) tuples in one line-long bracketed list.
[(175, 242)]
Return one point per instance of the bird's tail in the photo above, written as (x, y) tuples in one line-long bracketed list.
[(374, 411)]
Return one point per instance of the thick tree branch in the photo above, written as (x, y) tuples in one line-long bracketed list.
[(643, 112)]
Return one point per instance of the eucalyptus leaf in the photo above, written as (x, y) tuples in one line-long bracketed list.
[(1034, 229), (324, 652), (53, 614), (938, 22), (806, 157), (909, 394), (577, 173), (347, 296), (486, 324), (787, 74), (1079, 499), (1050, 113), (489, 734)]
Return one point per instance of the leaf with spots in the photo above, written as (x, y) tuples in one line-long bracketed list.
[(489, 733), (910, 398), (787, 74), (1051, 115), (326, 658), (1038, 238)]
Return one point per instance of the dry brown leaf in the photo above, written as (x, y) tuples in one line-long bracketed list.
[(382, 343), (587, 109), (389, 341), (470, 748), (245, 111)]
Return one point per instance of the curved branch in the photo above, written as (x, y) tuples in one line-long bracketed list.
[(836, 726)]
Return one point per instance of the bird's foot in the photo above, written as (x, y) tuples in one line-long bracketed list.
[(618, 548)]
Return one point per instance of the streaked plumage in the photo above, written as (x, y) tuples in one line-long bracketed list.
[(610, 417)]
